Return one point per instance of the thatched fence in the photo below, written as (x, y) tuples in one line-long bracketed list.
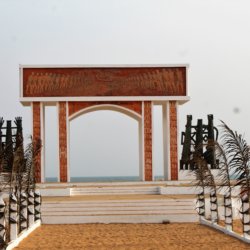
[(20, 201), (233, 174)]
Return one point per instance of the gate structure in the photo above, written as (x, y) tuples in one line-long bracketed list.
[(130, 89)]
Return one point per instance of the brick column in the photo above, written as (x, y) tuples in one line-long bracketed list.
[(36, 114), (63, 161), (148, 141), (173, 139)]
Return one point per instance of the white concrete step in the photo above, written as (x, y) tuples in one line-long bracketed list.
[(113, 207), (114, 190), (107, 219), (119, 211), (119, 202)]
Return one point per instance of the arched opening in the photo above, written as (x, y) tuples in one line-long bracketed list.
[(104, 145)]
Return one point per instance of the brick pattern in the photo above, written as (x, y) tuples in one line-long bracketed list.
[(77, 106), (148, 140), (173, 140), (37, 136), (63, 141), (137, 81)]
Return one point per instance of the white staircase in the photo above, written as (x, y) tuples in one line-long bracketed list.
[(118, 211), (115, 190)]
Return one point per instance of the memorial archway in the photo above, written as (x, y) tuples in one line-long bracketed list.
[(132, 90), (113, 155)]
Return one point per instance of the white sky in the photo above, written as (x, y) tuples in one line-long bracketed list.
[(212, 36)]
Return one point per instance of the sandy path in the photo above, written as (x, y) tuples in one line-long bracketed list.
[(129, 236)]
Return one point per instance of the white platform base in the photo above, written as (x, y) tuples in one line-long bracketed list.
[(116, 188), (119, 211), (122, 188), (119, 219), (138, 210)]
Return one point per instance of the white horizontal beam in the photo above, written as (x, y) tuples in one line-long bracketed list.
[(21, 66), (27, 100)]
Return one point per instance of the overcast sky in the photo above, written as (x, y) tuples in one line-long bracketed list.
[(211, 36)]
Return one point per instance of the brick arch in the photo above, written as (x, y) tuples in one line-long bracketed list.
[(75, 107), (112, 107)]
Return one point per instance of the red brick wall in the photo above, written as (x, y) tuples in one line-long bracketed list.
[(63, 141), (132, 81), (148, 140), (173, 140), (37, 136), (77, 106)]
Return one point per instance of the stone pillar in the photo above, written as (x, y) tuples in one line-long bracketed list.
[(63, 151), (201, 203), (173, 139), (37, 205), (245, 215), (147, 115), (23, 213), (31, 210), (13, 217), (38, 134), (228, 211), (213, 206), (2, 222)]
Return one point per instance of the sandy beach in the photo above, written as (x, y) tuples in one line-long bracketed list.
[(129, 236)]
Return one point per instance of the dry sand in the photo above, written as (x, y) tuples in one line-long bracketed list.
[(129, 236)]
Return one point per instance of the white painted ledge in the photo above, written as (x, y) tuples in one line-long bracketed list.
[(115, 183), (23, 235), (131, 65), (109, 219), (180, 99), (178, 190), (185, 175), (224, 230), (55, 192)]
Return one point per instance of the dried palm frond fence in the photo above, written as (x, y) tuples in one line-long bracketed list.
[(233, 164), (19, 200)]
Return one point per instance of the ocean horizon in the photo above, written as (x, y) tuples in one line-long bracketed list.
[(109, 178), (101, 178)]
